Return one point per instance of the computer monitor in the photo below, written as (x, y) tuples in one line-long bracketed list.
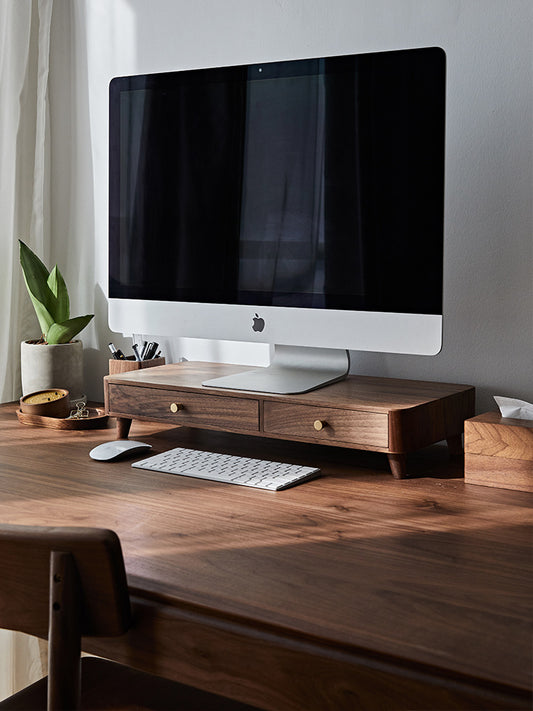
[(297, 203)]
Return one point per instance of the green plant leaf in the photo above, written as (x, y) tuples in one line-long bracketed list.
[(36, 278), (57, 286), (49, 296), (65, 332), (32, 267)]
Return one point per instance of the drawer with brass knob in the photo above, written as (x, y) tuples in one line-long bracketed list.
[(185, 408), (314, 423)]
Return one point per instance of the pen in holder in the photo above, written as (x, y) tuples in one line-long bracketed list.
[(123, 366)]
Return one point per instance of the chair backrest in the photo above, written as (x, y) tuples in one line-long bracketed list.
[(63, 583), (25, 553)]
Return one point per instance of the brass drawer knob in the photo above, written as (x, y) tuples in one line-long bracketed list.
[(175, 406), (319, 425)]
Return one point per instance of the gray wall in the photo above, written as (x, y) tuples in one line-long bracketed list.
[(488, 323)]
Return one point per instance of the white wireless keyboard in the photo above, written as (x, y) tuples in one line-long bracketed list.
[(229, 469)]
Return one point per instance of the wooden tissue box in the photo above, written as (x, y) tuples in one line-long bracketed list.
[(499, 452)]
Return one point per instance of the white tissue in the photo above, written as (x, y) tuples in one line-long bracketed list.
[(510, 407)]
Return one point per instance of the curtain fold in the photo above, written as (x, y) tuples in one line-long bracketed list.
[(24, 213), (24, 169)]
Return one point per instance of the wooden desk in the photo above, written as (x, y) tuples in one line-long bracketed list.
[(353, 591)]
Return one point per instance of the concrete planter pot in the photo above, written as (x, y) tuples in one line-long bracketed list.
[(46, 366)]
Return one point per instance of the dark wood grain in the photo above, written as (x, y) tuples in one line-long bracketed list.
[(97, 420), (353, 591), (128, 364), (61, 583), (379, 414), (496, 436), (356, 392), (294, 421), (499, 472), (499, 452), (64, 632), (25, 570), (190, 408), (72, 581)]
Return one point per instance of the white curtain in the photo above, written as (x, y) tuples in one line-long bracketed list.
[(24, 212), (24, 169), (23, 660)]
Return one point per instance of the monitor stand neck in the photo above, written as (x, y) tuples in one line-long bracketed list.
[(294, 369)]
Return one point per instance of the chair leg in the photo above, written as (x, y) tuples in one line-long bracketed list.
[(64, 634)]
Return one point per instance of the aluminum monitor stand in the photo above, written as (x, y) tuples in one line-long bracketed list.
[(294, 369)]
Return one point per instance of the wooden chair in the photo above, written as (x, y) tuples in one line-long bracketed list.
[(65, 583)]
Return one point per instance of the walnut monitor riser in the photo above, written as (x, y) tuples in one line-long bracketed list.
[(386, 415)]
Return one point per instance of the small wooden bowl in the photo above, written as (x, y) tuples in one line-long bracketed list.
[(54, 402)]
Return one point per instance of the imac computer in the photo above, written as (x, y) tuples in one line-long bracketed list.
[(296, 203)]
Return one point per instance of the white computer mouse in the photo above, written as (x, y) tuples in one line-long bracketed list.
[(109, 451)]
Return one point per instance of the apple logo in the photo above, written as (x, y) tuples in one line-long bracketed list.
[(258, 323)]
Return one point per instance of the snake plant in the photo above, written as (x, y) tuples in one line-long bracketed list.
[(49, 296)]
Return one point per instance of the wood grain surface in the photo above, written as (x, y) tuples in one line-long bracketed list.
[(499, 452), (337, 425), (117, 366), (357, 392), (191, 408), (379, 414), (97, 420), (354, 590), (496, 436)]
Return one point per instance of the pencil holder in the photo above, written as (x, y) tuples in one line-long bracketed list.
[(129, 363)]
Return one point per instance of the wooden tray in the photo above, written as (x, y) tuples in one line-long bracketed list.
[(97, 420)]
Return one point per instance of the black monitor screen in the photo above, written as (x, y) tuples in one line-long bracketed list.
[(312, 183)]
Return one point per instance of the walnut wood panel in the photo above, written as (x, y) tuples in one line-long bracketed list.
[(418, 413), (499, 472), (496, 436), (278, 670), (421, 425), (356, 392), (353, 581), (184, 407), (25, 573), (351, 427), (180, 376), (117, 366), (97, 420), (499, 452)]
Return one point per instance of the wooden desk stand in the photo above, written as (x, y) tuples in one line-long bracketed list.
[(378, 414)]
